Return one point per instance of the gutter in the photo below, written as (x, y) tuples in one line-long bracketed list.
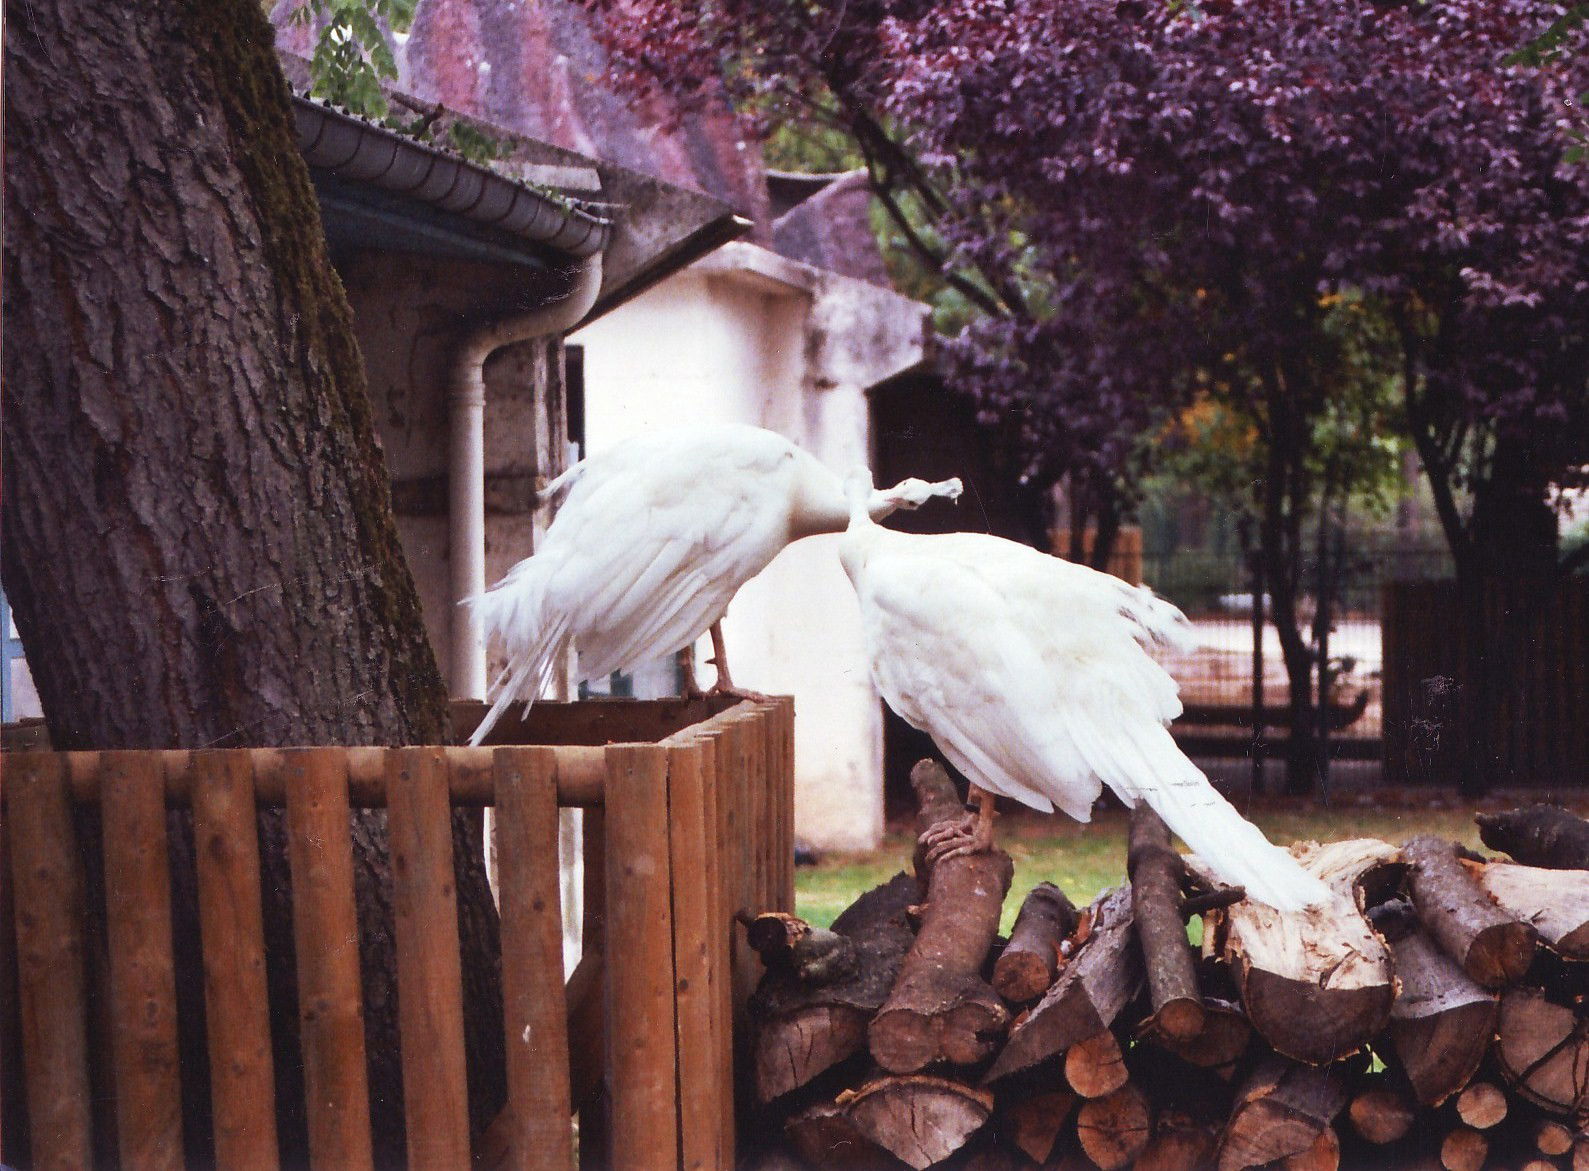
[(362, 152)]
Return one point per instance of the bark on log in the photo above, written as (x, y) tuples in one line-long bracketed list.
[(1538, 835), (1492, 947), (1222, 1040), (1464, 1149), (919, 1120), (1115, 1129), (1157, 877), (826, 1138), (1554, 902), (1030, 961), (1542, 1050), (1281, 1111), (1103, 974), (1316, 984), (1033, 1124), (1481, 1105), (1096, 1067), (1323, 1155), (1381, 1115), (1179, 1143), (941, 1009), (803, 1030), (1441, 1024)]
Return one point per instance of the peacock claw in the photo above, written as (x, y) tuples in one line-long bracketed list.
[(956, 838)]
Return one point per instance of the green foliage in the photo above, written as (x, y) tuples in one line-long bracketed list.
[(353, 57)]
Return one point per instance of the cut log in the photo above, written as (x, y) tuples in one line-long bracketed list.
[(1580, 1152), (1096, 1067), (814, 955), (919, 1120), (1542, 1050), (1481, 1105), (1157, 877), (1222, 1040), (940, 1008), (1441, 1024), (1115, 1129), (1381, 1115), (1552, 1139), (825, 1138), (1030, 961), (1280, 1111), (1464, 1149), (1492, 947), (1323, 1155), (1103, 974), (1538, 835), (1179, 1143), (1554, 902), (805, 1029), (1316, 984), (1033, 1125)]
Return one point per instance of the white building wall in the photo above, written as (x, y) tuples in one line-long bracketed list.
[(734, 344)]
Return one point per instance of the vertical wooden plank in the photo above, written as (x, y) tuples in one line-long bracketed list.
[(231, 924), (143, 992), (722, 933), (48, 890), (641, 1050), (326, 934), (533, 1002), (786, 797), (429, 982), (594, 1132), (700, 957)]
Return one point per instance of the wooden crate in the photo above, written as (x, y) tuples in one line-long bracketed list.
[(690, 819)]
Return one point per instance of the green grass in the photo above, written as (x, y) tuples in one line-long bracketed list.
[(1083, 860)]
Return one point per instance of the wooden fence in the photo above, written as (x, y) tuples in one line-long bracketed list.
[(689, 819), (1494, 692)]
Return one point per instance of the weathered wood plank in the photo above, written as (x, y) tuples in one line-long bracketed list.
[(429, 983), (50, 961), (226, 846), (325, 931), (535, 1010), (142, 972), (641, 1039)]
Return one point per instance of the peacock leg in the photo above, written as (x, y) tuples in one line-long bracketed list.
[(971, 834), (725, 683), (691, 686)]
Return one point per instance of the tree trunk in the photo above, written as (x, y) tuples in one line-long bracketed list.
[(198, 539)]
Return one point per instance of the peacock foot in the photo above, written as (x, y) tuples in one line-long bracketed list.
[(971, 834)]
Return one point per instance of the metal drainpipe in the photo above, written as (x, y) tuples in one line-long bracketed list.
[(466, 464)]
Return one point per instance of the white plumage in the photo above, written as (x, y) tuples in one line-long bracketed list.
[(1031, 675), (654, 537)]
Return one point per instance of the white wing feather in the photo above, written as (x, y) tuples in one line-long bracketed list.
[(652, 542), (1030, 674)]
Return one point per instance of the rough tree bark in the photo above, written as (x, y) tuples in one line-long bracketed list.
[(198, 539)]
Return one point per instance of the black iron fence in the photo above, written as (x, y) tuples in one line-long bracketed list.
[(1239, 663)]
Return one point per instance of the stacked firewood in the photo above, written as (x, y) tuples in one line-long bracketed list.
[(1432, 1016)]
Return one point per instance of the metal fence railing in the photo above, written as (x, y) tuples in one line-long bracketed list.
[(1215, 590)]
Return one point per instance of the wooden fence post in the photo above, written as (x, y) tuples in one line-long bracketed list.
[(142, 973), (429, 980), (534, 1008), (326, 934), (51, 976), (641, 1047), (226, 847)]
